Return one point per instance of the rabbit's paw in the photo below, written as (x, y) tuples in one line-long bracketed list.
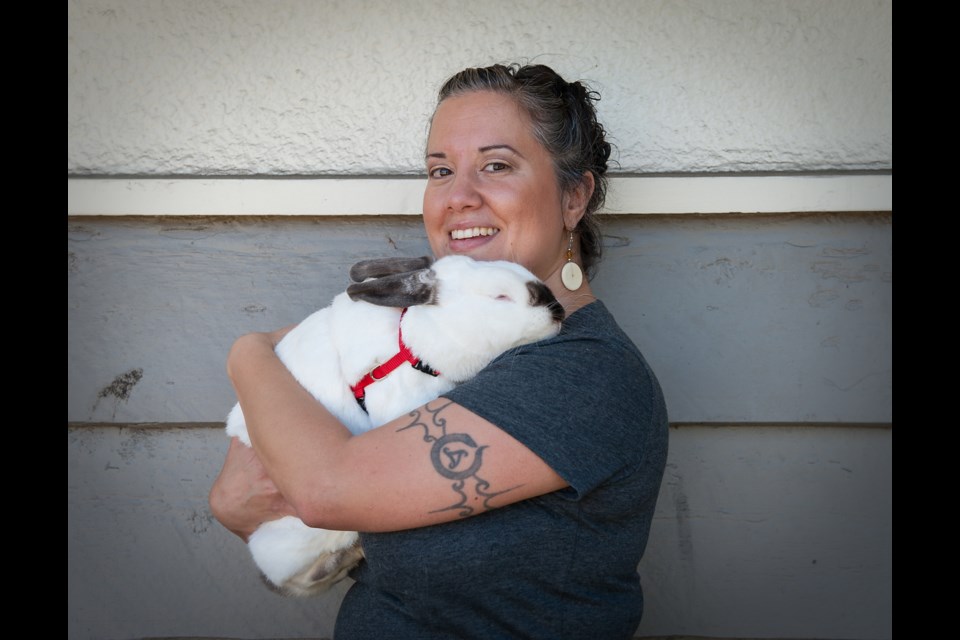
[(328, 569)]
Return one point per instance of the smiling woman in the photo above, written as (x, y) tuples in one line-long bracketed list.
[(492, 191), (546, 545)]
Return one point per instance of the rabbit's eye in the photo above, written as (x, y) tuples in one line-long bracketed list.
[(504, 297)]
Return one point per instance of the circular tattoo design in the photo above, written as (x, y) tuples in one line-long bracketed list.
[(456, 456)]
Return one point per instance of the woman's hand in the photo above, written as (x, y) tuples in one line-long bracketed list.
[(267, 340), (243, 497)]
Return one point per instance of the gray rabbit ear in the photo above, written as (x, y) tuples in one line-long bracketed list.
[(380, 267), (400, 290)]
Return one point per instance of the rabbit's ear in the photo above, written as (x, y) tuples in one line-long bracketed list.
[(380, 267), (399, 290)]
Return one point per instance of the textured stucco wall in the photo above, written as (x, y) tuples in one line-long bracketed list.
[(338, 87)]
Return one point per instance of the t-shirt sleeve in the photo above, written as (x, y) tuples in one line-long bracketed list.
[(584, 404)]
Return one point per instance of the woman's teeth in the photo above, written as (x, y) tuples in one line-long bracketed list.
[(463, 234)]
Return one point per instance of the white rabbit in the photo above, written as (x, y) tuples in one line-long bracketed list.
[(454, 315)]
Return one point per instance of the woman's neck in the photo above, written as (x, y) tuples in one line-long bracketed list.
[(573, 300)]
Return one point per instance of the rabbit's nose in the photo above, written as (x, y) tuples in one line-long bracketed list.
[(541, 296)]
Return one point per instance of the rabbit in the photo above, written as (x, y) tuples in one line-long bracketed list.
[(455, 315)]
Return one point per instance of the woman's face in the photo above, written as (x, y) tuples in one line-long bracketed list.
[(492, 192)]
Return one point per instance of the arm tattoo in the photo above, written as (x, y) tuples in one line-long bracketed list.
[(455, 456)]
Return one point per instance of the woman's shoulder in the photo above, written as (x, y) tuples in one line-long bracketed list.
[(597, 343), (593, 325), (594, 317), (591, 349)]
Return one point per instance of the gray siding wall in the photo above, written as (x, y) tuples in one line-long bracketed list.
[(775, 318), (771, 335)]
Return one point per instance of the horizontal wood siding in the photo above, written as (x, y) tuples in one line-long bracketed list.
[(771, 334), (752, 318), (759, 532)]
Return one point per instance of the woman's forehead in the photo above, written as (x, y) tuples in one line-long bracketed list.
[(484, 119)]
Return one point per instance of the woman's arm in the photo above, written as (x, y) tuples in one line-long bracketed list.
[(438, 463), (243, 497)]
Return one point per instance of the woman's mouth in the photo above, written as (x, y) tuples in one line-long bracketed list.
[(473, 232)]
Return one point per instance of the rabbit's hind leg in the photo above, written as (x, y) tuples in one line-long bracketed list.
[(328, 569)]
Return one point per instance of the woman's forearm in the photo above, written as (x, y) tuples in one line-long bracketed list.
[(298, 441)]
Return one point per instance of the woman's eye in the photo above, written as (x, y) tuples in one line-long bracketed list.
[(496, 166), (439, 172)]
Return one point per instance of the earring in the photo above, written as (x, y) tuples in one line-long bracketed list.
[(571, 275)]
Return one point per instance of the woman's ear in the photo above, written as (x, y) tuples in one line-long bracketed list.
[(576, 200)]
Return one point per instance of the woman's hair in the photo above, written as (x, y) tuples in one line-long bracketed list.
[(564, 121)]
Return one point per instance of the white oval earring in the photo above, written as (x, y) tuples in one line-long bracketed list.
[(571, 275)]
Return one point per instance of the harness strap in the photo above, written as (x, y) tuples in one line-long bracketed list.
[(382, 371)]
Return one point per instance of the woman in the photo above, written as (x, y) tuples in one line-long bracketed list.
[(567, 437)]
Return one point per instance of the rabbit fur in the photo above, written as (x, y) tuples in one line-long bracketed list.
[(460, 314)]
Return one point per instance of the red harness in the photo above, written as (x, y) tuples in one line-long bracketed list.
[(382, 371)]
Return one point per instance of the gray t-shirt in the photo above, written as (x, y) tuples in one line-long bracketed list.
[(562, 566)]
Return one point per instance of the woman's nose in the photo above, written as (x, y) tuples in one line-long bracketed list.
[(463, 193)]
